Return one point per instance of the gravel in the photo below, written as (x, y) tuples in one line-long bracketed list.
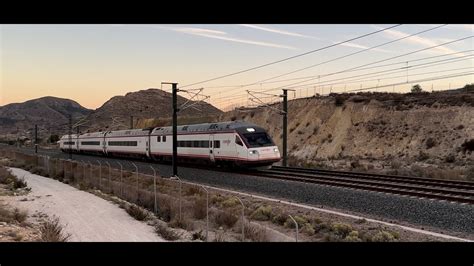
[(440, 216)]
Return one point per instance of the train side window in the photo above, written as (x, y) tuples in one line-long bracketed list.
[(196, 143), (238, 141), (217, 144), (158, 138), (164, 138), (210, 144)]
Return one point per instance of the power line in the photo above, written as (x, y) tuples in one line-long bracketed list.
[(388, 71), (337, 58), (292, 57), (420, 80)]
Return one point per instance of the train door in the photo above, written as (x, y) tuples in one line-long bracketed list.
[(211, 148), (104, 149), (148, 144)]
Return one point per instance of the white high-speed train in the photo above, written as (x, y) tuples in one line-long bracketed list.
[(227, 143)]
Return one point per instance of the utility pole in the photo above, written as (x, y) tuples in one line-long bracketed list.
[(285, 124), (36, 138), (70, 137), (131, 122), (175, 127)]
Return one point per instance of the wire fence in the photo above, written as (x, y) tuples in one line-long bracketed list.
[(181, 204)]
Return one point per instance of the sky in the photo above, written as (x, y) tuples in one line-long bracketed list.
[(92, 63)]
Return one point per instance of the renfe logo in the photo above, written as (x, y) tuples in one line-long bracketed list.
[(227, 141)]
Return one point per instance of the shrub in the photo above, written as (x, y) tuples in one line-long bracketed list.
[(308, 229), (423, 156), (383, 236), (137, 212), (353, 237), (192, 191), (230, 202), (430, 143), (20, 216), (224, 218), (341, 229), (262, 213), (52, 231), (300, 132), (468, 145), (19, 183), (5, 214), (279, 219), (339, 100), (199, 208), (198, 236), (470, 174), (165, 232), (182, 223), (450, 158), (301, 221)]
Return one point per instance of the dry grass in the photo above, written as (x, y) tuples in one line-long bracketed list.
[(52, 231), (19, 215), (255, 233)]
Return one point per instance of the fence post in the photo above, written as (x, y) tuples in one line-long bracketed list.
[(207, 213), (136, 168), (90, 173), (121, 183), (176, 177), (154, 190), (100, 175), (243, 209), (296, 227), (110, 178)]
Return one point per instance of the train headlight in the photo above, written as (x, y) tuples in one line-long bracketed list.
[(275, 149), (253, 152)]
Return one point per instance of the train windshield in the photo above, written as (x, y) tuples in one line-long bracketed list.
[(258, 140)]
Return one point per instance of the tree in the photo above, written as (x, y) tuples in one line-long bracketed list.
[(416, 89)]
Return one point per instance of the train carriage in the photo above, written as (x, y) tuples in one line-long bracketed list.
[(227, 143)]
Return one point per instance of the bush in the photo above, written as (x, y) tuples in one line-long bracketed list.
[(230, 202), (137, 212), (5, 214), (423, 156), (339, 100), (301, 221), (184, 223), (341, 229), (468, 145), (192, 191), (450, 158), (383, 236), (19, 183), (262, 213), (165, 232), (308, 229), (20, 216), (353, 237), (198, 236), (199, 208), (430, 143), (279, 219), (224, 218), (52, 231)]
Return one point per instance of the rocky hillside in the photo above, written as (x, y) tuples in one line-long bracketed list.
[(47, 112), (376, 131), (142, 105)]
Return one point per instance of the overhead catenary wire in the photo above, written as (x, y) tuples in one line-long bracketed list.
[(379, 73), (337, 58), (291, 57)]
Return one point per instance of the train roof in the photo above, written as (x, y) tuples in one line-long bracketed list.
[(239, 126)]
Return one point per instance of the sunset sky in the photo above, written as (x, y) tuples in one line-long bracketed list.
[(92, 63)]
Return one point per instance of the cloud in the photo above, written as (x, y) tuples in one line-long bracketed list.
[(279, 31), (395, 34), (355, 45), (468, 27), (214, 34)]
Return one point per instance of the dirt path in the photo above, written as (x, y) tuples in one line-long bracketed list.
[(85, 216)]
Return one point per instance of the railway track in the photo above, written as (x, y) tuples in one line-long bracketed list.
[(449, 190)]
